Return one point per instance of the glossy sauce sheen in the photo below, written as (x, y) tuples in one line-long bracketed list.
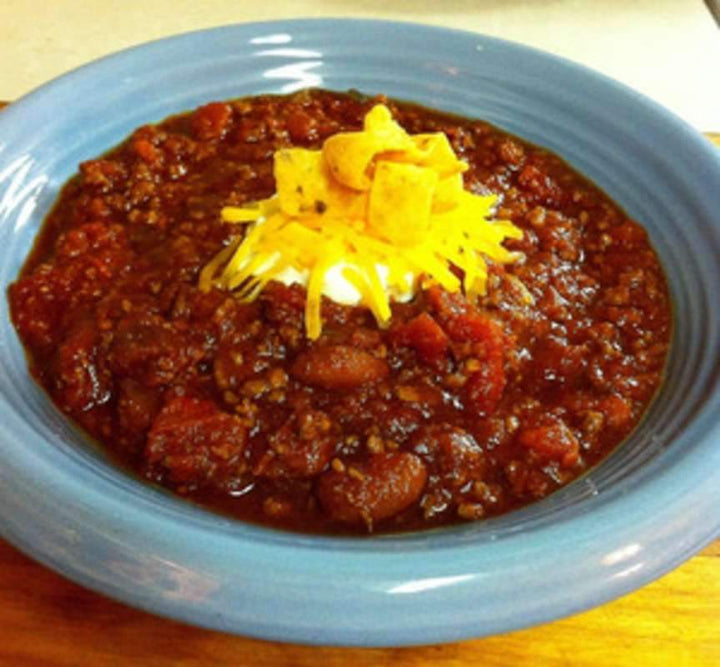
[(456, 412)]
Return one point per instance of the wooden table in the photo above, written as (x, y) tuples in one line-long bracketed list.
[(47, 620)]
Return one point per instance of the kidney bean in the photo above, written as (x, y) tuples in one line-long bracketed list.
[(338, 367), (373, 490)]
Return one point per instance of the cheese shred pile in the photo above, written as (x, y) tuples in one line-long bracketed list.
[(381, 206)]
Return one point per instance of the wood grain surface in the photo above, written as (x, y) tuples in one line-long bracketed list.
[(46, 620)]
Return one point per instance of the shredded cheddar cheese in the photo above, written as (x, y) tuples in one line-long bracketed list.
[(384, 206)]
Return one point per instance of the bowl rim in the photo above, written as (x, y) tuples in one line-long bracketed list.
[(395, 573)]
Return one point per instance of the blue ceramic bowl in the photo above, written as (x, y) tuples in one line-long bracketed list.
[(648, 507)]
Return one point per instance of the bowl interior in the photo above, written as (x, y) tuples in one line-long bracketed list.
[(60, 493)]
